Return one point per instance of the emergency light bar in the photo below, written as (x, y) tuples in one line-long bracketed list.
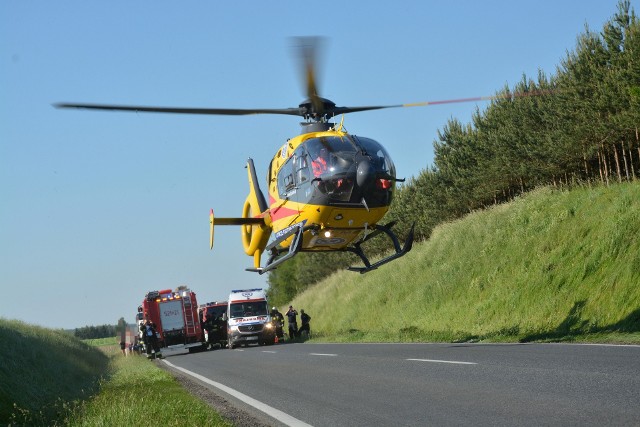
[(169, 297), (165, 294)]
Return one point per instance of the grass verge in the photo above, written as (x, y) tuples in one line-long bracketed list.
[(50, 378), (140, 392), (44, 373), (550, 266)]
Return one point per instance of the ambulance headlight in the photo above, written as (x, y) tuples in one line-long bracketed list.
[(268, 325), (233, 328)]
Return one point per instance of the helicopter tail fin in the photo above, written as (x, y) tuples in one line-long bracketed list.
[(255, 235), (255, 221), (258, 200)]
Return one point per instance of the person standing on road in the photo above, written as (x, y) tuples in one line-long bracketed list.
[(148, 329), (278, 320), (292, 317), (305, 319)]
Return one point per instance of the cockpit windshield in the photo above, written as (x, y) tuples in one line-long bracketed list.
[(381, 160), (330, 154), (336, 155), (332, 165)]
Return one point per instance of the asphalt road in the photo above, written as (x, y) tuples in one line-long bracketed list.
[(427, 384)]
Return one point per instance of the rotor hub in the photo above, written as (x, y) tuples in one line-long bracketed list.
[(317, 108)]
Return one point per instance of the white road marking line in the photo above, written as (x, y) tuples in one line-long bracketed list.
[(322, 354), (443, 361), (269, 351), (284, 418), (596, 344)]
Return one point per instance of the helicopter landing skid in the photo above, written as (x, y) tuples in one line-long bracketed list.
[(356, 249), (276, 258), (273, 260)]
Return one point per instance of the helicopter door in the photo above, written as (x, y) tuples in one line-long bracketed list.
[(294, 177), (286, 183), (301, 165)]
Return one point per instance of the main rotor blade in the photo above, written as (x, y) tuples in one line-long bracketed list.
[(179, 110), (345, 110), (506, 95), (302, 110), (308, 50)]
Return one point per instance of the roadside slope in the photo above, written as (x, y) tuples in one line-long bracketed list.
[(42, 370), (48, 378), (551, 265)]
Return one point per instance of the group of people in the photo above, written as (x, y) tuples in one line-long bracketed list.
[(216, 327), (292, 319), (130, 348), (149, 338)]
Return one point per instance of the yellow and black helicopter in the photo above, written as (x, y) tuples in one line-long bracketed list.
[(327, 189)]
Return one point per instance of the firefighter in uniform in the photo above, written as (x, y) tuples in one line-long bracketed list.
[(150, 338), (214, 326), (278, 321)]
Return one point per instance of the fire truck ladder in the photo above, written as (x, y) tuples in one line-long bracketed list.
[(189, 324)]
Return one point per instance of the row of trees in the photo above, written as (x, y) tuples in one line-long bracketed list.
[(579, 125), (101, 331)]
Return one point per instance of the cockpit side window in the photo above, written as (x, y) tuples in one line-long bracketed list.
[(285, 178), (301, 166), (294, 172), (379, 156)]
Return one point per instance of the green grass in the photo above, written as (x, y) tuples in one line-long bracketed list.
[(102, 342), (43, 372), (550, 266), (50, 378), (139, 392)]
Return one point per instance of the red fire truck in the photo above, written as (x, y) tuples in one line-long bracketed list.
[(175, 314)]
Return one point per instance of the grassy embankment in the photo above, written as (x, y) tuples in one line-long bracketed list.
[(549, 266), (50, 378)]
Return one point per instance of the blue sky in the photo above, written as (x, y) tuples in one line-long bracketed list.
[(100, 207)]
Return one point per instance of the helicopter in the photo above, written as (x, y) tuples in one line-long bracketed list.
[(327, 189)]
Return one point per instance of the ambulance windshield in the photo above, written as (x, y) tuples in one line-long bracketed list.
[(248, 308)]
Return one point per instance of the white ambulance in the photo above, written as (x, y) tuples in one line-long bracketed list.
[(248, 318)]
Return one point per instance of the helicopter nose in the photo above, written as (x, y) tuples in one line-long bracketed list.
[(365, 173)]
